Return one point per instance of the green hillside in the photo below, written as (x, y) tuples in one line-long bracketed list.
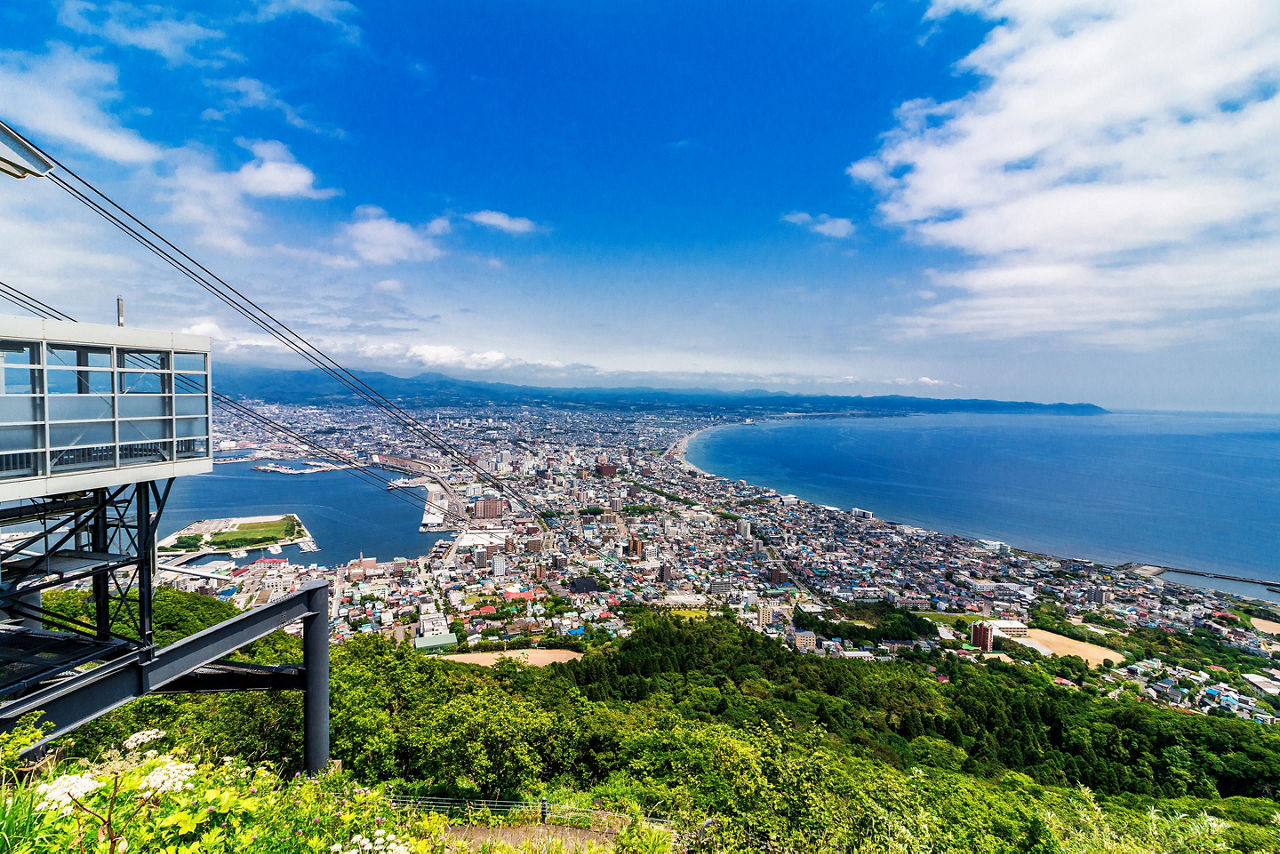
[(752, 747)]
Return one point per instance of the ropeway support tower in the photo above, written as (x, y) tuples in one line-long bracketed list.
[(95, 424)]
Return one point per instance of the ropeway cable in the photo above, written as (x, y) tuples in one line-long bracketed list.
[(265, 320), (300, 346), (42, 309)]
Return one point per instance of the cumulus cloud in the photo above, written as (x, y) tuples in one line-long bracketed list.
[(210, 201), (60, 96), (1113, 174), (828, 226), (274, 173), (216, 202), (378, 238), (503, 222)]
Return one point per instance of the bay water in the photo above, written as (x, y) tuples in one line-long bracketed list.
[(347, 516), (1190, 491)]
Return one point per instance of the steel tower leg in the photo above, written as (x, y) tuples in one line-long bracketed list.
[(315, 659)]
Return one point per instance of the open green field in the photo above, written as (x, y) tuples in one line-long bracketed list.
[(691, 614), (257, 533), (950, 618)]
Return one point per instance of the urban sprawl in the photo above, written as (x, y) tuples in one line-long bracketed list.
[(561, 522)]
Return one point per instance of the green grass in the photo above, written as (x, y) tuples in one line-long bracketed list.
[(949, 619), (257, 533)]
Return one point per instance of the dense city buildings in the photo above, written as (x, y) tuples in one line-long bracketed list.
[(559, 521)]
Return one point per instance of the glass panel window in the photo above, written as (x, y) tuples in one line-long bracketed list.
[(144, 406), (136, 431), (190, 383), (74, 356), (143, 383), (192, 448), (16, 408), (20, 381), (18, 353), (188, 361), (191, 427), (192, 404), (143, 360), (23, 464), (81, 433), (146, 452), (96, 457), (23, 438), (79, 407), (63, 381)]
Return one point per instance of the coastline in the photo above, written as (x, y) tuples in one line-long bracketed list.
[(1153, 571), (680, 449)]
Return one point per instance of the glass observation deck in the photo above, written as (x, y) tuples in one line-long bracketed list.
[(84, 406)]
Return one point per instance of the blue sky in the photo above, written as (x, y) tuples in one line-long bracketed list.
[(1031, 199)]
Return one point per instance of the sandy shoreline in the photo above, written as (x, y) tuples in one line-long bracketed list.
[(681, 448)]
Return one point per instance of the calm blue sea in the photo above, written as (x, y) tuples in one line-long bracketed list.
[(1182, 490), (346, 516)]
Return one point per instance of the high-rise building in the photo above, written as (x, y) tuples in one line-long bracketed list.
[(487, 508), (1099, 596), (983, 636), (764, 614)]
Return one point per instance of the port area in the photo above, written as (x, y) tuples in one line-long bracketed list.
[(234, 536), (312, 467)]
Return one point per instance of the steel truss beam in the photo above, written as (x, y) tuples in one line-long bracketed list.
[(193, 664)]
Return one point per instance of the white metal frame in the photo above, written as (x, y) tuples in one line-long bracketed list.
[(161, 432)]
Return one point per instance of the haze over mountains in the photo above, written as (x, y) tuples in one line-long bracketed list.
[(281, 386)]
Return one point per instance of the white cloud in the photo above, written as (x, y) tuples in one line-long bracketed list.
[(380, 239), (333, 12), (1113, 176), (211, 201), (502, 222), (60, 96), (449, 356), (828, 226), (389, 286), (274, 173), (249, 93), (137, 26)]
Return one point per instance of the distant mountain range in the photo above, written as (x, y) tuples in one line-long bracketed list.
[(431, 389)]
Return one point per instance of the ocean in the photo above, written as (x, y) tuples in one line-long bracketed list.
[(347, 516), (1190, 491)]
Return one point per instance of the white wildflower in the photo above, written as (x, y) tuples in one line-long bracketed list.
[(146, 736), (168, 777), (59, 793)]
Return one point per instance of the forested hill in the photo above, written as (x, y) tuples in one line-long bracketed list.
[(714, 725), (313, 387)]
